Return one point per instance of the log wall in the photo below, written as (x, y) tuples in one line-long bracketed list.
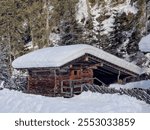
[(48, 82)]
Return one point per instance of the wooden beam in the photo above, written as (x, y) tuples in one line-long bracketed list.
[(86, 58), (118, 78), (113, 66), (105, 71), (55, 78)]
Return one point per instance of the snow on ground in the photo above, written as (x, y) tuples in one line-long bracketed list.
[(87, 102), (144, 44), (145, 84)]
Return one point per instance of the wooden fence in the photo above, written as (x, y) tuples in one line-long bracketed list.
[(141, 94)]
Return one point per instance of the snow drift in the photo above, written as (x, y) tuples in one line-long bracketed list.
[(13, 101)]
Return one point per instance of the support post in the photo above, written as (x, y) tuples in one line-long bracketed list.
[(55, 81), (118, 78), (28, 84), (71, 88)]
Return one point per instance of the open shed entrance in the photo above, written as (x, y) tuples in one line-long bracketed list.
[(103, 71), (108, 75)]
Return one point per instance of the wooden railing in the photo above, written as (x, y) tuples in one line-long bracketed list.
[(71, 87)]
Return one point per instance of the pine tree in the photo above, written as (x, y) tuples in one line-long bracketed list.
[(5, 74), (101, 41), (88, 34), (37, 23), (35, 14), (116, 37), (4, 63), (47, 17), (64, 17), (11, 33), (11, 27), (147, 16)]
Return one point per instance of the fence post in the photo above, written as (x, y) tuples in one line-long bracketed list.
[(71, 88)]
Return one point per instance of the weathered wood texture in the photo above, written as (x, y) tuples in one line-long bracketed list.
[(126, 71), (49, 82)]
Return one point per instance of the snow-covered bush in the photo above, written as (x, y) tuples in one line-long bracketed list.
[(19, 79), (20, 83)]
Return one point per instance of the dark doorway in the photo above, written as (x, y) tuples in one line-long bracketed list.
[(107, 75), (106, 78)]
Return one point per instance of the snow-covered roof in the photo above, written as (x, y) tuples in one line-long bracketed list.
[(59, 56), (144, 44)]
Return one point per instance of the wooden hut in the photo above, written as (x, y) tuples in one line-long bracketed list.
[(54, 71)]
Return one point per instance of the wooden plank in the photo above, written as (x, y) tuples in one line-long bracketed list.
[(112, 65)]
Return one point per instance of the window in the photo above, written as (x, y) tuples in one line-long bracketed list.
[(75, 72)]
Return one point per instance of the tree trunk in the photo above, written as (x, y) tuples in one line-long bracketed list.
[(47, 20)]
